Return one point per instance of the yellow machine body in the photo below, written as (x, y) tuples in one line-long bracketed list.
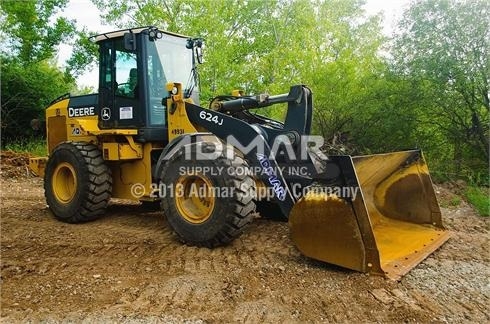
[(130, 162)]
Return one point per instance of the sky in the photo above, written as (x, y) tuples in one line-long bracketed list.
[(86, 14)]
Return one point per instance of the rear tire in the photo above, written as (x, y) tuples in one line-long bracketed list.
[(207, 220), (77, 183)]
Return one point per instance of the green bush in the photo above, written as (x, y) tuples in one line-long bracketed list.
[(36, 147), (26, 90), (479, 198)]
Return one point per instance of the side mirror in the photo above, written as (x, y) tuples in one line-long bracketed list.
[(196, 44), (130, 41), (199, 50)]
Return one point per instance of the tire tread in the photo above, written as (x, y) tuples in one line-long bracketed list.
[(97, 193)]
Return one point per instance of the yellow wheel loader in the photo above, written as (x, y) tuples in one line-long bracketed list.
[(144, 137)]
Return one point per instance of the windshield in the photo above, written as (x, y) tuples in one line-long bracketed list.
[(169, 61)]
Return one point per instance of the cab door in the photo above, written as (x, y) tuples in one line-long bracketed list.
[(120, 93)]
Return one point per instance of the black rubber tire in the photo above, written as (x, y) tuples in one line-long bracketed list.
[(93, 182), (229, 217)]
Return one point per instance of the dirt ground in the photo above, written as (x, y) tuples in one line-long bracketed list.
[(128, 267)]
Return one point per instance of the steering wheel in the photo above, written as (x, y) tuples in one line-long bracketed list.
[(123, 89)]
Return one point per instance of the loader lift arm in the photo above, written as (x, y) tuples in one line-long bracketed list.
[(297, 123)]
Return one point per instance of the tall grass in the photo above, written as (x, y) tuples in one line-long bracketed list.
[(36, 147), (479, 198)]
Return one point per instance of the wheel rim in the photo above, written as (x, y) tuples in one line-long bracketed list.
[(194, 198), (64, 182)]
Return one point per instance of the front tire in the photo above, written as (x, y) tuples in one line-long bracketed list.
[(207, 209), (77, 183)]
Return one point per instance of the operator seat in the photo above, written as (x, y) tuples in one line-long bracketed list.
[(133, 82)]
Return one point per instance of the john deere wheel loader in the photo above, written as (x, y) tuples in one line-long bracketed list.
[(144, 137)]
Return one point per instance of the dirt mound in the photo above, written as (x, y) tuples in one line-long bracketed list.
[(14, 164)]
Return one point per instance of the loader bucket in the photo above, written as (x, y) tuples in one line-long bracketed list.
[(388, 225)]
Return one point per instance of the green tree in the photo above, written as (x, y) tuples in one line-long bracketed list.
[(30, 78), (28, 32), (26, 91), (84, 55), (443, 51), (232, 30), (347, 75)]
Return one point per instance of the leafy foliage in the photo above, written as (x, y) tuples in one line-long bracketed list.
[(30, 78), (28, 29), (35, 147), (26, 90), (443, 50), (85, 54), (479, 197)]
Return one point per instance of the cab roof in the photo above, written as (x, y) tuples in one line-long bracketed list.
[(137, 30)]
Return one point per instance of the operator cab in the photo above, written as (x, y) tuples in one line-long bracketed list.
[(135, 66)]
